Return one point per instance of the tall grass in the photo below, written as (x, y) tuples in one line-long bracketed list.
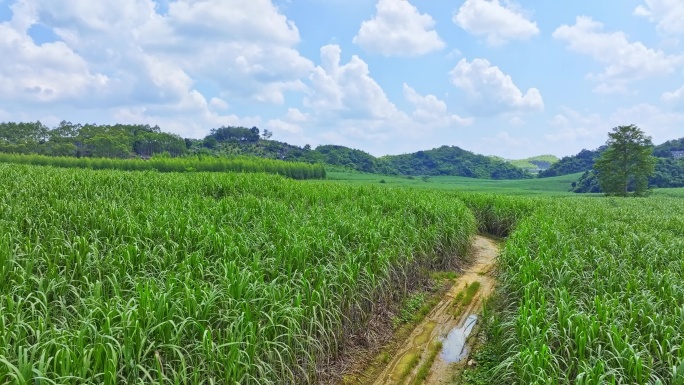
[(116, 277), (592, 292), (294, 170)]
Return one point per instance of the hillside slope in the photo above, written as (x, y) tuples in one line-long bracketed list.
[(669, 172), (453, 161), (446, 161), (535, 163), (582, 161)]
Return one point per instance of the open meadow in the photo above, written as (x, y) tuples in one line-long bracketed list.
[(556, 186), (220, 278)]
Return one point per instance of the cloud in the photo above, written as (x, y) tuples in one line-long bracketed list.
[(667, 14), (661, 125), (430, 110), (398, 29), (675, 97), (590, 130), (290, 123), (192, 123), (244, 48), (353, 108), (491, 92), (347, 90), (218, 104), (625, 61), (126, 59), (47, 73), (516, 121), (506, 139), (499, 23), (573, 126)]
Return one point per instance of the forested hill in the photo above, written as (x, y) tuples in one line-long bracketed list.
[(144, 141), (583, 161), (453, 160), (669, 148), (669, 167)]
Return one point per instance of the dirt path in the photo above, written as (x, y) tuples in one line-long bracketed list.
[(449, 323)]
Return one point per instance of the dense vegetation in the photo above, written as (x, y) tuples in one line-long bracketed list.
[(125, 141), (590, 291), (668, 173), (583, 161), (624, 167), (665, 150), (142, 277), (454, 161), (90, 140), (445, 160), (186, 164), (533, 164)]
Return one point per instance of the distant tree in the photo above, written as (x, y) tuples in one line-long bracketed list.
[(108, 146), (267, 134), (235, 134), (23, 138), (627, 163), (210, 142)]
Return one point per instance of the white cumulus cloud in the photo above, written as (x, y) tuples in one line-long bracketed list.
[(128, 60), (625, 61), (398, 29), (290, 123), (347, 89), (489, 91), (430, 110), (498, 23), (589, 130), (667, 14), (675, 97)]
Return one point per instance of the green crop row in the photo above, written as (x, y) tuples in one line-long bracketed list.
[(294, 170), (591, 291), (118, 277)]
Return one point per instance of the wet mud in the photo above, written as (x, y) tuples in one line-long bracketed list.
[(450, 323)]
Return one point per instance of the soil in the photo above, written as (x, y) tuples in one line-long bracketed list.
[(449, 324)]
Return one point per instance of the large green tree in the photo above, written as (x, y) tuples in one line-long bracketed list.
[(627, 163)]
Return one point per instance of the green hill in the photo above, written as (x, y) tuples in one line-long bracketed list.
[(136, 141), (536, 163), (453, 161), (446, 161), (669, 172), (583, 161)]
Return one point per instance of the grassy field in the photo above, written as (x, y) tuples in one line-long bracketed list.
[(545, 186), (590, 290), (144, 277), (202, 278)]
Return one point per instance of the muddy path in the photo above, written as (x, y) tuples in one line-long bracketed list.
[(439, 346)]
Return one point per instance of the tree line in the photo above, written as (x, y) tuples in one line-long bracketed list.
[(89, 140), (144, 141)]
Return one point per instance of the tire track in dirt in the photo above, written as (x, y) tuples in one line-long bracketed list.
[(414, 352)]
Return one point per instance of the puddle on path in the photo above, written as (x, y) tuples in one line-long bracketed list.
[(454, 348), (441, 324)]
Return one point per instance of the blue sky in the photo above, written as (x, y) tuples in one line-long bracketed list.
[(498, 77)]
